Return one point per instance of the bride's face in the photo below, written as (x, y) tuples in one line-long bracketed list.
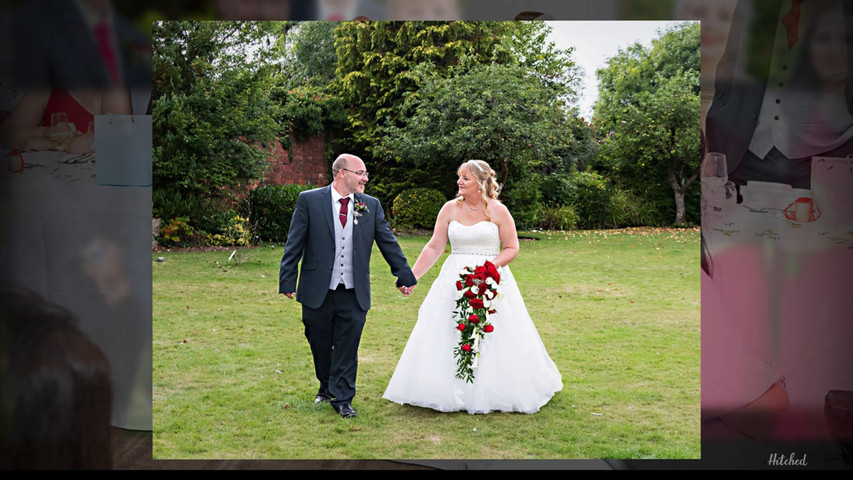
[(467, 183)]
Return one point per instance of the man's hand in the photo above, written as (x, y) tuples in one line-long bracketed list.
[(290, 295), (406, 290)]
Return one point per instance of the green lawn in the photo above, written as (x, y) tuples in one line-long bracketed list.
[(618, 311)]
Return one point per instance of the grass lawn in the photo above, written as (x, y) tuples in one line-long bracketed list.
[(618, 311)]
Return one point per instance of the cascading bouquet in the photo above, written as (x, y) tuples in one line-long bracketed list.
[(478, 287)]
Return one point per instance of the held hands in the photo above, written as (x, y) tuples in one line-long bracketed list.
[(405, 290)]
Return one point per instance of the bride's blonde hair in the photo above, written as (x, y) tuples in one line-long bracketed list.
[(485, 177)]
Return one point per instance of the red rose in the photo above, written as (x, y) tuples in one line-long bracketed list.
[(460, 327), (476, 303), (466, 347), (492, 311), (488, 328), (469, 294), (469, 280), (493, 271), (474, 319), (459, 286)]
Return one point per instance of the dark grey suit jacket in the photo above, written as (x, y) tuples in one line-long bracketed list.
[(311, 240)]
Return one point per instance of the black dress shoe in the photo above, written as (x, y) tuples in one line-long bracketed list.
[(344, 410)]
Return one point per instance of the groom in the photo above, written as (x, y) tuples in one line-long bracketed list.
[(332, 231)]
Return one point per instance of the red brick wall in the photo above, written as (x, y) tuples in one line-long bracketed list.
[(308, 165)]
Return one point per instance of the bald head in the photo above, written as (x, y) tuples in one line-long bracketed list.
[(344, 160), (349, 174)]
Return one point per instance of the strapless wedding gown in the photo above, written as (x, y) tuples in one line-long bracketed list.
[(515, 373)]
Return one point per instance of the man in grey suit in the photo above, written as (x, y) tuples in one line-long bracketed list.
[(783, 91), (332, 232)]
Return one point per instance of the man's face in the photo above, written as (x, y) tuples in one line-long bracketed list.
[(352, 178)]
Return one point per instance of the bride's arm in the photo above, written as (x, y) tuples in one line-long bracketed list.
[(509, 236), (435, 247)]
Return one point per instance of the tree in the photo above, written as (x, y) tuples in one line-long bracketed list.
[(309, 104), (310, 54), (383, 67), (499, 113), (377, 60), (579, 148), (648, 117), (212, 112)]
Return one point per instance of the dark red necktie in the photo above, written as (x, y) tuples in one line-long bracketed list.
[(343, 214), (105, 49), (791, 21)]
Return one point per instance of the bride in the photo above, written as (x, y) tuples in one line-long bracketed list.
[(513, 372)]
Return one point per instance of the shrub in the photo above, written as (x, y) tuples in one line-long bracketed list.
[(235, 233), (524, 200), (629, 210), (593, 201), (557, 190), (173, 204), (559, 218), (417, 207), (271, 208), (177, 232), (204, 215)]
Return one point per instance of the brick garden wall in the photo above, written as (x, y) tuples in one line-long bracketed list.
[(308, 165)]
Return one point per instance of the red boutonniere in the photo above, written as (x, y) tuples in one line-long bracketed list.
[(359, 209)]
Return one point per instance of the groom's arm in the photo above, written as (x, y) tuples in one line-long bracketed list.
[(391, 251), (293, 247)]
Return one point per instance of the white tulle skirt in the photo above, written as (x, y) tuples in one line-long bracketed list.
[(514, 372)]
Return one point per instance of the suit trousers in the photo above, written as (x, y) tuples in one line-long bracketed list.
[(334, 331)]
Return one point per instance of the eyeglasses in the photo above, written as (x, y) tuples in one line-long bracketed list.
[(360, 174)]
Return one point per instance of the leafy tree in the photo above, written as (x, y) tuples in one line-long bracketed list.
[(648, 117), (377, 61), (212, 113), (493, 112), (310, 55), (578, 150), (308, 110), (389, 72)]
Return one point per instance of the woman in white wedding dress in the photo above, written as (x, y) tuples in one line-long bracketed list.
[(514, 372)]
